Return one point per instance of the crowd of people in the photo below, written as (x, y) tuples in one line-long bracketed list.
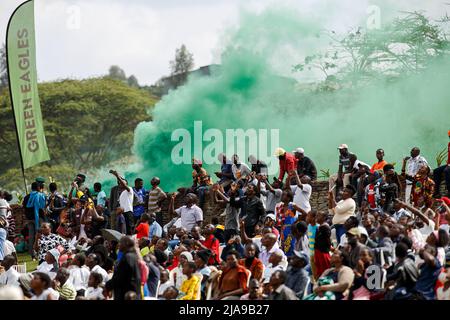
[(385, 235)]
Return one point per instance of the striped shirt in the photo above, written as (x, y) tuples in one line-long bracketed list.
[(312, 230), (153, 196), (67, 292)]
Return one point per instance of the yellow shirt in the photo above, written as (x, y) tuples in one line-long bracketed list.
[(190, 288), (145, 251)]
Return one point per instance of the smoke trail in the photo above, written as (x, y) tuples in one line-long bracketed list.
[(248, 91)]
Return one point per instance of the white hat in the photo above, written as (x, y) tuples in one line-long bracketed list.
[(343, 146), (271, 216), (299, 150), (279, 152)]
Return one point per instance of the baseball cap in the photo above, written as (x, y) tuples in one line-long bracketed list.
[(271, 216), (363, 231), (301, 255), (279, 152), (40, 179), (343, 146), (354, 231), (445, 200), (299, 150), (83, 198)]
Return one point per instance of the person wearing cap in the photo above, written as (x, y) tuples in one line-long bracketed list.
[(354, 246), (270, 221), (287, 162), (342, 177), (34, 205), (305, 166), (443, 170), (410, 167), (297, 276)]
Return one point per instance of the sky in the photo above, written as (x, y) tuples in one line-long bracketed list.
[(83, 38)]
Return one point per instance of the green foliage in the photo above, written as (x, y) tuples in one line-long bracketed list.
[(87, 124), (324, 174), (440, 157), (403, 46)]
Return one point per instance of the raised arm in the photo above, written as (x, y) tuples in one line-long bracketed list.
[(122, 182)]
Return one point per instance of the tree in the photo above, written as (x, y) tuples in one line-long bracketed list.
[(133, 81), (115, 72), (403, 46), (181, 65), (3, 68), (87, 124)]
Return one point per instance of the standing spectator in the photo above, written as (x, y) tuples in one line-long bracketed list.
[(302, 191), (34, 204), (342, 178), (410, 168), (155, 196), (234, 202), (443, 170), (55, 204), (272, 193), (226, 172), (379, 165), (423, 187), (190, 214), (305, 166), (287, 162), (126, 275), (258, 166), (99, 196), (114, 203), (342, 210), (140, 194), (253, 210), (126, 202)]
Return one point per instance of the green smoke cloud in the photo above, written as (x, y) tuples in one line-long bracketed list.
[(249, 91)]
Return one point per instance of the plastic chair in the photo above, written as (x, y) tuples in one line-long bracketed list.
[(20, 268)]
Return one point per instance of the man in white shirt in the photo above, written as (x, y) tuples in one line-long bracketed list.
[(270, 245), (8, 275), (190, 214), (92, 262), (302, 191), (240, 170), (342, 210), (125, 201), (411, 166)]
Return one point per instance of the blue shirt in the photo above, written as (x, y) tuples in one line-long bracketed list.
[(155, 230), (312, 237), (226, 168), (427, 279), (101, 199), (140, 195)]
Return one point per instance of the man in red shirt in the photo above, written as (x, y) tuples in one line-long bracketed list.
[(210, 243), (288, 162), (442, 170)]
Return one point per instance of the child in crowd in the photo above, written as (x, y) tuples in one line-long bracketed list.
[(94, 291)]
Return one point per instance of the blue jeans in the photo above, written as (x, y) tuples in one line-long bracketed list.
[(201, 195), (3, 235), (340, 230)]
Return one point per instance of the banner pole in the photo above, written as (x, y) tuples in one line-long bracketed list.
[(11, 95)]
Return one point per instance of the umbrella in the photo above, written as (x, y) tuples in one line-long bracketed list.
[(110, 234)]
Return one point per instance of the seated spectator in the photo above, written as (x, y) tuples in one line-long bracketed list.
[(233, 281)]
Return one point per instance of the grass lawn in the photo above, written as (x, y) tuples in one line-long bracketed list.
[(26, 258)]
